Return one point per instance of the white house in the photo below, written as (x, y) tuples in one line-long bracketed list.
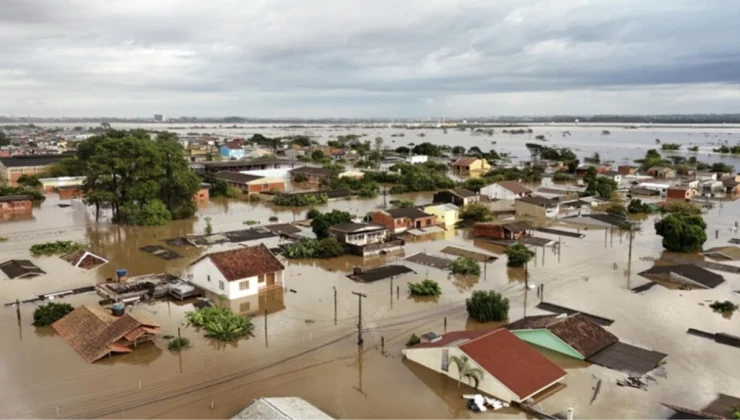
[(416, 159), (661, 188), (239, 272), (359, 234), (505, 190), (512, 370)]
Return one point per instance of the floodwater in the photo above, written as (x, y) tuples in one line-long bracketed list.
[(305, 347)]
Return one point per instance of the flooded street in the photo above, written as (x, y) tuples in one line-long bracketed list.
[(302, 347)]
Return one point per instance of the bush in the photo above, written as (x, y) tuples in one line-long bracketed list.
[(312, 214), (36, 195), (153, 213), (220, 323), (300, 200), (617, 209), (476, 212), (562, 176), (254, 198), (298, 178), (425, 288), (518, 255), (322, 222), (723, 307), (3, 239), (273, 219), (487, 306), (681, 232), (413, 340), (250, 222), (29, 180), (55, 248), (48, 314), (313, 248), (329, 248), (637, 206), (465, 266), (178, 343)]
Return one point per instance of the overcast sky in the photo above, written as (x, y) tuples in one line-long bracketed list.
[(374, 58)]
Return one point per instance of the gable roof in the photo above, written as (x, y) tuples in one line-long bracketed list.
[(16, 269), (539, 201), (233, 146), (356, 227), (84, 259), (281, 408), (690, 271), (576, 330), (236, 177), (514, 187), (411, 213), (513, 362), (31, 160), (463, 192), (93, 333), (465, 161), (12, 198), (244, 262)]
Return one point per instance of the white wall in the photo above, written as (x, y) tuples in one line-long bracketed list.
[(417, 159), (204, 268), (498, 192), (432, 359)]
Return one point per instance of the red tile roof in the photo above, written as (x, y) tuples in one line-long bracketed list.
[(241, 263), (513, 362)]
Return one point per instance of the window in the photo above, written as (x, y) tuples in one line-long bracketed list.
[(244, 285), (244, 307), (221, 285), (261, 278), (445, 360)]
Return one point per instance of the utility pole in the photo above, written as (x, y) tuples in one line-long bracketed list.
[(629, 255), (265, 327), (560, 247), (359, 321), (335, 305)]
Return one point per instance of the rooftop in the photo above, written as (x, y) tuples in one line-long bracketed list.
[(312, 171), (31, 160), (282, 408), (356, 227), (244, 262), (513, 362), (690, 271), (12, 198), (539, 201), (16, 269), (514, 187), (411, 213), (577, 330), (465, 161), (236, 177), (463, 192)]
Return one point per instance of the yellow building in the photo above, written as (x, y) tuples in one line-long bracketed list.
[(447, 214), (466, 165)]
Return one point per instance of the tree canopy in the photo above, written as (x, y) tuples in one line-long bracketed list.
[(143, 181), (487, 306), (4, 140), (682, 232), (322, 222), (518, 255)]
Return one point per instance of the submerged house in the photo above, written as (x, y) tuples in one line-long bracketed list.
[(466, 165), (239, 272), (508, 231), (19, 269), (94, 333), (366, 239), (457, 196), (403, 219), (84, 259), (512, 370), (505, 190)]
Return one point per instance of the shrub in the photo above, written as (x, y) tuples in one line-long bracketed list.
[(300, 200), (55, 248), (298, 178), (322, 222), (273, 219), (637, 206), (487, 306), (178, 343), (518, 255), (681, 232), (725, 306), (250, 222), (312, 214), (220, 323), (413, 340), (168, 336), (48, 314), (3, 239), (29, 180), (476, 212), (465, 265), (314, 248), (425, 288), (153, 213), (617, 209), (562, 176), (254, 198)]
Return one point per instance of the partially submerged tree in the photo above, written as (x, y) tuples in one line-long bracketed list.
[(322, 222), (476, 212), (487, 306), (518, 255), (48, 314), (426, 288), (465, 266), (681, 232)]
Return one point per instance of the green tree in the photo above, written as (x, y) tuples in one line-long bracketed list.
[(312, 214), (637, 206), (518, 255), (209, 227), (426, 288), (617, 209), (458, 150), (681, 232), (404, 204), (48, 314), (465, 266), (413, 340), (466, 370), (476, 212), (474, 184), (317, 155), (29, 181), (403, 150), (722, 167), (601, 186), (321, 223), (487, 306), (4, 140)]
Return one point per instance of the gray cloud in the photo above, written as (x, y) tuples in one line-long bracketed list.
[(367, 58)]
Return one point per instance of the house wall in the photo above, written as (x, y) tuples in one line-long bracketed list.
[(627, 170), (417, 159), (448, 218), (432, 358), (266, 184), (679, 193), (532, 210), (548, 340), (69, 193), (205, 274), (495, 191), (16, 206), (232, 153), (361, 238), (11, 175)]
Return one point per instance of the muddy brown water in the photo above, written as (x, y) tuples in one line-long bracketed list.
[(303, 352)]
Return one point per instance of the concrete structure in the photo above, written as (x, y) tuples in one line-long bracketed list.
[(536, 207), (232, 151), (281, 408), (359, 234), (447, 214), (250, 184), (312, 175), (352, 174), (238, 272), (507, 231), (11, 168), (710, 187), (457, 196), (242, 165), (506, 190), (661, 188), (16, 204), (466, 165), (662, 172), (681, 192), (51, 184), (600, 168), (512, 370), (403, 219)]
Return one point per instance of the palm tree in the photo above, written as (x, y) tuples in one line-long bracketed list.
[(630, 228), (465, 370)]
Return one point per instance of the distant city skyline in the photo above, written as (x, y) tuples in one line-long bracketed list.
[(367, 59)]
